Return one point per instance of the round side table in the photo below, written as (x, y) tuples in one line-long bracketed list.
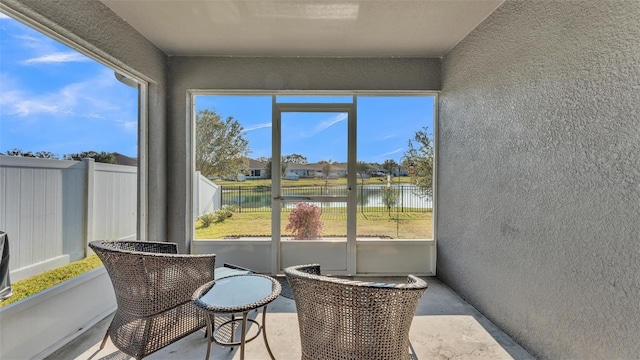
[(234, 295)]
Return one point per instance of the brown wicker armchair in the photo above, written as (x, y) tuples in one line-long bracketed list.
[(342, 319), (153, 287)]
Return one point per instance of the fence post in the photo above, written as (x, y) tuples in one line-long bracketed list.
[(239, 198), (90, 167)]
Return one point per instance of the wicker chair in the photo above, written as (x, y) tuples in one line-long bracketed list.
[(153, 287), (342, 319)]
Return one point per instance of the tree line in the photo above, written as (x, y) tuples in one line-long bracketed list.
[(101, 157)]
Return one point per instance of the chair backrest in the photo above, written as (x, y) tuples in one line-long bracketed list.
[(149, 277), (346, 319)]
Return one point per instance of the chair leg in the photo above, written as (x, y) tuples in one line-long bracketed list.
[(104, 341)]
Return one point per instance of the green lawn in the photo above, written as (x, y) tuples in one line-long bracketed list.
[(405, 225), (27, 287)]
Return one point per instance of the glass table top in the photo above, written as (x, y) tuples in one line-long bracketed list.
[(236, 291)]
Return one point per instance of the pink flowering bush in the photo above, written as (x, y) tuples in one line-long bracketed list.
[(304, 222)]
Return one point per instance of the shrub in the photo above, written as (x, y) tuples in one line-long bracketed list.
[(225, 212), (304, 221), (207, 219), (232, 208), (219, 215)]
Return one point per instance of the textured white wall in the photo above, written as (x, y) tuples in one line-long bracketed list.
[(287, 73), (539, 175)]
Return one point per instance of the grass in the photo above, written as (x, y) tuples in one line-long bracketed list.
[(312, 182), (35, 284), (403, 225)]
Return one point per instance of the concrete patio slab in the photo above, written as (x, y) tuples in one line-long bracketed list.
[(445, 327)]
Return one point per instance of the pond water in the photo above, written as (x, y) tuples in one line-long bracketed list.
[(371, 196)]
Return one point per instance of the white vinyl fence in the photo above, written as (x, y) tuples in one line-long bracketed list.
[(51, 209), (207, 195)]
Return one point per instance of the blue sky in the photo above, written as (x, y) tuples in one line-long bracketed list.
[(55, 99), (385, 124)]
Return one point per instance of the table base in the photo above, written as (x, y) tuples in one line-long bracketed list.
[(213, 330)]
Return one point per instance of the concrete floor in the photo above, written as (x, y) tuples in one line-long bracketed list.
[(445, 327)]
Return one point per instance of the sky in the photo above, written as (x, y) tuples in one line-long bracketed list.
[(55, 99), (385, 125)]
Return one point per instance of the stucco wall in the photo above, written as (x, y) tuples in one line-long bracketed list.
[(253, 73), (539, 175), (93, 26)]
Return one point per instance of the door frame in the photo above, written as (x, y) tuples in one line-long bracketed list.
[(277, 199)]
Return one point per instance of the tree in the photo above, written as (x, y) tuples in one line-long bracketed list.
[(221, 149), (419, 161), (389, 166), (101, 157), (294, 159), (326, 169), (389, 197), (362, 169), (39, 154), (46, 155), (20, 153), (267, 167)]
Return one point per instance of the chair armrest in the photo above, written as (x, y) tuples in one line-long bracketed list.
[(313, 269)]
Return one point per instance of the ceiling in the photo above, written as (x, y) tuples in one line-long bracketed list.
[(360, 28)]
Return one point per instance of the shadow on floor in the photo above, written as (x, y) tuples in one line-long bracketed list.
[(445, 326)]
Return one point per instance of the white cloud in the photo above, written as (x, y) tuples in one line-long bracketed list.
[(130, 127), (95, 116), (27, 107), (389, 137), (32, 42), (256, 127), (60, 57), (94, 98), (326, 124), (3, 16), (389, 153), (60, 102)]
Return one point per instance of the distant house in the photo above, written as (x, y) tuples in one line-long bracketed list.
[(315, 170), (256, 170), (125, 160), (338, 170), (302, 170)]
